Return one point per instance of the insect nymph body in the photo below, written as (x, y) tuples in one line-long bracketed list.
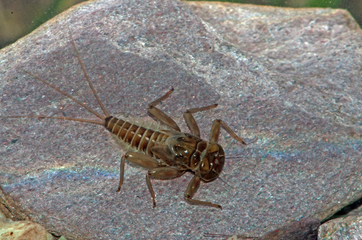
[(166, 153), (169, 154)]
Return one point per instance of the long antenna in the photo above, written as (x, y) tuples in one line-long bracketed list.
[(61, 118), (70, 97), (66, 94), (87, 77)]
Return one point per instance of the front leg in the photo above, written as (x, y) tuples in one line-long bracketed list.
[(191, 190), (215, 131), (190, 120)]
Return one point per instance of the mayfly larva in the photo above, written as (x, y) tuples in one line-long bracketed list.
[(166, 153)]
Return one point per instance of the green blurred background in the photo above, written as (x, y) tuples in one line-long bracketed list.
[(20, 17)]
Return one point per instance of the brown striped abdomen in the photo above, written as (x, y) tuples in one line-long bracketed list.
[(140, 138)]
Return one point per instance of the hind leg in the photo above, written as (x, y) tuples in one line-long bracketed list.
[(160, 115), (161, 173), (139, 159)]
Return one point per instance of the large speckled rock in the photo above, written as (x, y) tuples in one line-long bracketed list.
[(341, 228), (289, 78), (306, 229)]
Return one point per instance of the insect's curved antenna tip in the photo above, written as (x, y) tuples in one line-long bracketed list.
[(224, 181)]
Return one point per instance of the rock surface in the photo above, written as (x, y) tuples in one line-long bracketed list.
[(290, 78), (306, 229), (341, 228), (23, 230)]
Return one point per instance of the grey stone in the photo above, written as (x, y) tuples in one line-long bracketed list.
[(304, 229), (341, 228), (290, 80)]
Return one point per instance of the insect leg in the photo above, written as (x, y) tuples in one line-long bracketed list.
[(191, 190), (139, 159), (161, 116), (215, 131), (162, 173), (190, 120)]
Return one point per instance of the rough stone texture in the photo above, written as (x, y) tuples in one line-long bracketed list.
[(306, 229), (290, 78), (354, 211), (233, 238), (2, 215), (341, 229), (22, 230)]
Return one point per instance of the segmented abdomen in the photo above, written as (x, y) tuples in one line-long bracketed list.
[(143, 139)]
